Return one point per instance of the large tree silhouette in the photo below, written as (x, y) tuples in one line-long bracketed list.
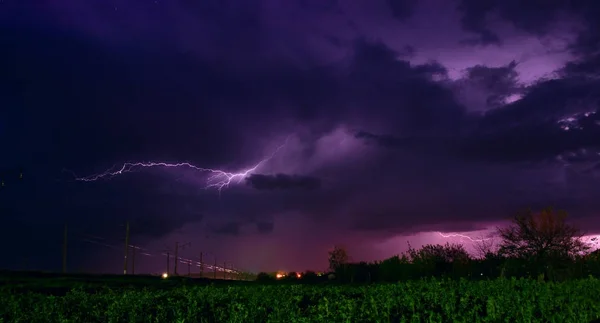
[(337, 258), (541, 235)]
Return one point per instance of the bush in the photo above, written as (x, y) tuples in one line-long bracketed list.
[(264, 277)]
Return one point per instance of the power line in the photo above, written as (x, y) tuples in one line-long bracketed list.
[(73, 236), (94, 239)]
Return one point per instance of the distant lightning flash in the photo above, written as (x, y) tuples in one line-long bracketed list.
[(218, 180), (592, 240), (461, 236)]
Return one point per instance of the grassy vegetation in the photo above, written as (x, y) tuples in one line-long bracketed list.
[(120, 299)]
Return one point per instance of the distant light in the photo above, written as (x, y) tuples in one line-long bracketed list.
[(299, 275), (165, 275), (279, 276)]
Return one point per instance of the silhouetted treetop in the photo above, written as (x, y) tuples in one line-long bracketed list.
[(541, 234)]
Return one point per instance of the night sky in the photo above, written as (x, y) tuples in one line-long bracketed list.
[(377, 122)]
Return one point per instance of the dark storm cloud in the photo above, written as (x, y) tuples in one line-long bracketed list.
[(547, 101), (175, 80), (554, 117), (473, 20), (231, 228), (396, 88), (140, 200), (321, 5), (402, 9), (283, 182), (409, 51), (116, 100), (155, 225), (426, 146), (594, 170), (495, 83), (395, 222), (52, 77), (523, 143), (382, 140), (432, 69), (537, 17), (587, 67), (134, 112), (531, 143), (532, 16)]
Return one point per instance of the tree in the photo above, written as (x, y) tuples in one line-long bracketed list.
[(395, 268), (592, 263), (445, 253), (337, 258), (541, 235), (485, 247), (264, 277), (309, 276), (439, 260), (292, 276), (541, 244)]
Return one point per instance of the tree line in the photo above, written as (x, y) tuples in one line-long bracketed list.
[(540, 245)]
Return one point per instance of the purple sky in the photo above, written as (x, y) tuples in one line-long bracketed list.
[(398, 119)]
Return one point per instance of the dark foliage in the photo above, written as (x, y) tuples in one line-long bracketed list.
[(537, 245)]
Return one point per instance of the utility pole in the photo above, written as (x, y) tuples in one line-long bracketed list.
[(133, 259), (168, 258), (126, 248), (201, 266), (177, 254), (64, 251), (176, 257)]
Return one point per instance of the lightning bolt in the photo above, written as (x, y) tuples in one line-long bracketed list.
[(592, 240), (461, 236), (219, 179)]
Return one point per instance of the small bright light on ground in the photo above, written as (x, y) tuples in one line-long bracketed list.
[(165, 275), (299, 275), (279, 276)]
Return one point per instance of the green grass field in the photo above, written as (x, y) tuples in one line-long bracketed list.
[(31, 298)]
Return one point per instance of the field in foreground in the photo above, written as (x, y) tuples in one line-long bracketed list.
[(419, 301)]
